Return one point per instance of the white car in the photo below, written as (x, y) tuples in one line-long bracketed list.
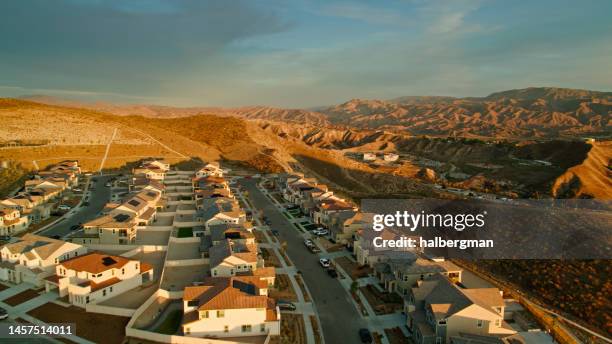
[(308, 243), (63, 207), (324, 262), (320, 232)]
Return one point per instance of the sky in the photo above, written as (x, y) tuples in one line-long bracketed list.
[(298, 53)]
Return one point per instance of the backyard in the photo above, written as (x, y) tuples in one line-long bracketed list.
[(352, 268), (90, 326), (382, 302)]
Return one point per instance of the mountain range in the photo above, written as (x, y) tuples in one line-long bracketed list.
[(535, 112)]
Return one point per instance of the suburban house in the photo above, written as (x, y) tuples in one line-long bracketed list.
[(96, 276), (437, 309), (344, 225), (401, 275), (369, 156), (33, 257), (324, 209), (368, 254), (211, 169), (390, 157), (151, 170), (219, 210), (11, 221), (230, 257), (229, 307), (209, 182), (122, 221)]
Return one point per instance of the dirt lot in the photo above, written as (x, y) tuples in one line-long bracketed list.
[(315, 329), (396, 336), (352, 268), (270, 258), (21, 297), (299, 280), (329, 246), (292, 329), (259, 236), (283, 290), (383, 303), (90, 326)]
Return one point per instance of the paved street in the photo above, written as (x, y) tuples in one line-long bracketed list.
[(97, 199), (339, 317)]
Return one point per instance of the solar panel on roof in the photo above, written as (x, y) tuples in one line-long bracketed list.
[(121, 217), (134, 202), (244, 287), (107, 261)]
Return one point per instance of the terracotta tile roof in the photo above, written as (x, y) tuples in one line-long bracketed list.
[(113, 220), (97, 286), (144, 267), (228, 293), (95, 262), (43, 246), (148, 214), (53, 279)]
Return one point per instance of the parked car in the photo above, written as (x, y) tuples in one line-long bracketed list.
[(365, 335), (291, 206), (320, 232), (314, 249), (3, 314), (64, 207), (286, 305), (75, 227), (332, 273), (108, 184), (5, 237), (56, 237), (85, 204), (275, 232), (325, 262), (308, 243)]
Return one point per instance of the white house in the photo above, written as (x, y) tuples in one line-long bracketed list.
[(34, 257), (390, 157), (369, 157), (96, 276), (230, 307), (11, 221)]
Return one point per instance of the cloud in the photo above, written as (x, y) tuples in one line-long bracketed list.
[(363, 12)]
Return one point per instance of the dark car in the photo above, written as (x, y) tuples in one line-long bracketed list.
[(75, 227), (332, 273), (3, 314), (55, 237), (365, 335), (85, 204), (286, 305), (275, 232)]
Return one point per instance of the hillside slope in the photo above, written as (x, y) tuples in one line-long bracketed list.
[(592, 178)]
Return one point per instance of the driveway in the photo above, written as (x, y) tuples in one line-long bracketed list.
[(98, 197), (339, 318)]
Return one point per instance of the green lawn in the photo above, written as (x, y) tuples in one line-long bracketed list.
[(185, 232), (171, 324)]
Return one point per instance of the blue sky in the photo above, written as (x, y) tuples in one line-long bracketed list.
[(298, 53)]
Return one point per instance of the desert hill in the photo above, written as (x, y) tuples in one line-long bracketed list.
[(544, 112)]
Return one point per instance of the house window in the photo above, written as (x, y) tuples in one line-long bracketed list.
[(192, 303), (110, 289), (262, 328), (103, 292), (123, 271), (479, 323), (204, 315), (220, 314), (56, 260), (246, 328), (442, 322), (136, 265), (497, 322), (87, 299), (187, 330)]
